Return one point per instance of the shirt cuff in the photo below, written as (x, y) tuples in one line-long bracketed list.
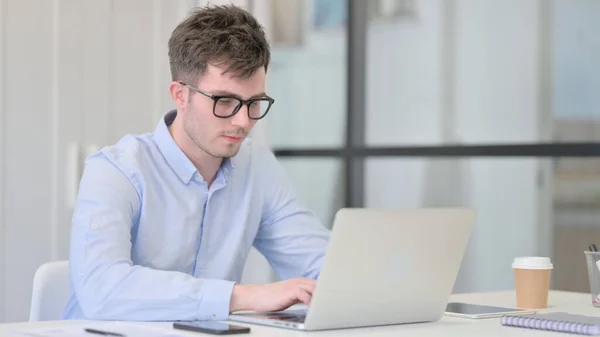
[(216, 299)]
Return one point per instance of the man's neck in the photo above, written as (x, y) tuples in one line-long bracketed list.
[(207, 165)]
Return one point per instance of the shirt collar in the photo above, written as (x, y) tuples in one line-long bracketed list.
[(179, 162)]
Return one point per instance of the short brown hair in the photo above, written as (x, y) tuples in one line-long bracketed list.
[(221, 35)]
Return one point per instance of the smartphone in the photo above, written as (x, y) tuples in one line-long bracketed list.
[(468, 310), (215, 328)]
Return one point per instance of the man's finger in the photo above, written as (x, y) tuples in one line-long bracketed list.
[(308, 287), (304, 296), (307, 281)]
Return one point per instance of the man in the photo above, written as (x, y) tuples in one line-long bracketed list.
[(164, 221)]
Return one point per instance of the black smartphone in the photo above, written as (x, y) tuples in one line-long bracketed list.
[(215, 328)]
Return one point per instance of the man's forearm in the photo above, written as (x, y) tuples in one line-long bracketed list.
[(240, 298), (124, 292)]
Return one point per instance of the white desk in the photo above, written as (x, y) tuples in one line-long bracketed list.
[(447, 326)]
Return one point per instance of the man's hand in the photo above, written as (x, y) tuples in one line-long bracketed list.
[(272, 297)]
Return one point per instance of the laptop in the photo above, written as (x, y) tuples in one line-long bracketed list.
[(382, 267)]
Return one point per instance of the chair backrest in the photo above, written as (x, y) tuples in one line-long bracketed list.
[(50, 291)]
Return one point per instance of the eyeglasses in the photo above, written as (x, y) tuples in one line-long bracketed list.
[(227, 106)]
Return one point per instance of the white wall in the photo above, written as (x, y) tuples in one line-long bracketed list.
[(2, 170), (406, 78), (577, 51), (28, 164)]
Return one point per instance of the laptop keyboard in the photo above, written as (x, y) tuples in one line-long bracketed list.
[(296, 316)]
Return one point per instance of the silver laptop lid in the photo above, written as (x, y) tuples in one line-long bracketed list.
[(389, 266)]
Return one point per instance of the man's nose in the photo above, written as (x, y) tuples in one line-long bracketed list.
[(241, 118)]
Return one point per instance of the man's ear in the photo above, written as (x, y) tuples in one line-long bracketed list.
[(179, 94)]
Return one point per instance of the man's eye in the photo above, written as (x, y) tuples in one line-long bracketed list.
[(227, 101)]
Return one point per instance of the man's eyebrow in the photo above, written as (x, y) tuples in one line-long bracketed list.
[(262, 94), (229, 93)]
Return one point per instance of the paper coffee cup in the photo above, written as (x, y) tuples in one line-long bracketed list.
[(532, 281)]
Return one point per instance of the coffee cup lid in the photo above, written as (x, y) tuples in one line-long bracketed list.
[(532, 262)]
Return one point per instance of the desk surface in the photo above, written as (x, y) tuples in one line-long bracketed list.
[(448, 326)]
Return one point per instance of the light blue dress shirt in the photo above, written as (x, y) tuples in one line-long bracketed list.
[(151, 241)]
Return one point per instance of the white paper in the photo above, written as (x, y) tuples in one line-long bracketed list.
[(78, 330)]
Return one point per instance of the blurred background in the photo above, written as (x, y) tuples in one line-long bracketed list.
[(492, 104)]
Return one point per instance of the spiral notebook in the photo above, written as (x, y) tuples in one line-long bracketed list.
[(556, 321)]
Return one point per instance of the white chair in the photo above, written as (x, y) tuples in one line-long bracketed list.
[(50, 291)]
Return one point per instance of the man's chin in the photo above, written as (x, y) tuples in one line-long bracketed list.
[(232, 152)]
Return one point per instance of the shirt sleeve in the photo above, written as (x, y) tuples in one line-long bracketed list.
[(106, 283), (290, 236)]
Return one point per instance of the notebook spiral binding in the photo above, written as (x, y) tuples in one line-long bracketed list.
[(551, 325)]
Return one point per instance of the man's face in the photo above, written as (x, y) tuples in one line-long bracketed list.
[(220, 137)]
